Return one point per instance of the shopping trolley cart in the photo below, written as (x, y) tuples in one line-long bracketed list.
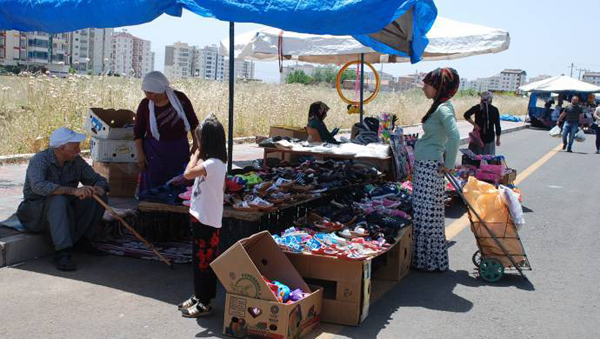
[(499, 245)]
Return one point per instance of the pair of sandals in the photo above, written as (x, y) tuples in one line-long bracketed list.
[(357, 232), (193, 308), (254, 204)]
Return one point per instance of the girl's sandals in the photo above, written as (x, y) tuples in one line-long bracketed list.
[(188, 303), (197, 310)]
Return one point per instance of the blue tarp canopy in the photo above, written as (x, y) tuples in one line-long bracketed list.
[(387, 26)]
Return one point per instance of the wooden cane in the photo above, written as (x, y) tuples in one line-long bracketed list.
[(109, 209)]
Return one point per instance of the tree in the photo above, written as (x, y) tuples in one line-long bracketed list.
[(298, 77), (349, 75), (330, 74), (318, 76)]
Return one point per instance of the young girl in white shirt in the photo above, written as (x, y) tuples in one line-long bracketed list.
[(208, 167)]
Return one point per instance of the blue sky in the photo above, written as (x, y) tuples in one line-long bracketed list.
[(546, 37)]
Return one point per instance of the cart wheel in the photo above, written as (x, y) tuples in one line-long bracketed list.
[(491, 269), (477, 258)]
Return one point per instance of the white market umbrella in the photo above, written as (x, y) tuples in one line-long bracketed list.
[(560, 83), (448, 39)]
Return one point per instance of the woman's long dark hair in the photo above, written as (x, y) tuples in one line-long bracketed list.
[(211, 136), (317, 110)]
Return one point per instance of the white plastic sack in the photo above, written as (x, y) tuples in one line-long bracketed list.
[(511, 200), (555, 132), (580, 136)]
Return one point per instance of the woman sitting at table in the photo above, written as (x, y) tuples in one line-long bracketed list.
[(316, 128)]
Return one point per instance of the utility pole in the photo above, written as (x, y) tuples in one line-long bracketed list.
[(571, 67), (581, 70)]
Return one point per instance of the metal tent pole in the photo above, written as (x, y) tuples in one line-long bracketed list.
[(362, 84), (231, 91)]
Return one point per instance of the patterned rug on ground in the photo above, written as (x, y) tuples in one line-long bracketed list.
[(130, 246)]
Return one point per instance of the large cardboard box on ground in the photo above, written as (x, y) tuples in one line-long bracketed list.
[(287, 131), (109, 123), (251, 309), (348, 284), (110, 150), (122, 177)]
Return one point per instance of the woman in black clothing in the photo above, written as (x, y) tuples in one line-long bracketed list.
[(487, 122)]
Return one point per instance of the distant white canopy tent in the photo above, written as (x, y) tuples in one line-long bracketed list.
[(448, 39), (559, 84)]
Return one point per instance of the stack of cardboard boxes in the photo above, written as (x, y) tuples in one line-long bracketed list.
[(113, 150)]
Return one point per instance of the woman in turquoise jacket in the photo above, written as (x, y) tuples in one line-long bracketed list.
[(435, 154)]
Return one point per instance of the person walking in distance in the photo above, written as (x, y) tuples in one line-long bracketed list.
[(571, 116)]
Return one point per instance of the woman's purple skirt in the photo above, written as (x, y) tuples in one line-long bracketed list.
[(166, 159)]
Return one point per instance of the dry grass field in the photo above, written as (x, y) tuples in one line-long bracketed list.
[(32, 107)]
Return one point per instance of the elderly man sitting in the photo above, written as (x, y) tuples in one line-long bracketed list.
[(53, 202)]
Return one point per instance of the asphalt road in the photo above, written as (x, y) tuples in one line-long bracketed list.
[(115, 297)]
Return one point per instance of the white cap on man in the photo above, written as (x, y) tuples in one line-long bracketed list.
[(63, 135)]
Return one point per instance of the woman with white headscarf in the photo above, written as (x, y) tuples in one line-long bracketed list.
[(163, 120), (487, 122)]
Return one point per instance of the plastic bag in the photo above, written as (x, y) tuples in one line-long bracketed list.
[(475, 138), (580, 136), (511, 200), (555, 132), (485, 199)]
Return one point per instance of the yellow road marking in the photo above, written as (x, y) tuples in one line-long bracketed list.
[(456, 227)]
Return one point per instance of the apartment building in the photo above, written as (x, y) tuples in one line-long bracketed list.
[(209, 64), (130, 55), (86, 50), (179, 59), (13, 48), (90, 50), (511, 80), (243, 69), (592, 78), (142, 58)]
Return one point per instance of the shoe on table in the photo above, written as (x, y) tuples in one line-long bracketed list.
[(196, 311), (62, 261)]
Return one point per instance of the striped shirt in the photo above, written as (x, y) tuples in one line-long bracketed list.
[(44, 175)]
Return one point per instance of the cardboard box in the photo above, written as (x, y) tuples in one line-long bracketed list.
[(109, 123), (249, 317), (394, 264), (122, 177), (241, 269), (509, 177), (109, 150), (347, 284), (288, 131)]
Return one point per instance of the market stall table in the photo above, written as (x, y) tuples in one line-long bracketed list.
[(382, 164)]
